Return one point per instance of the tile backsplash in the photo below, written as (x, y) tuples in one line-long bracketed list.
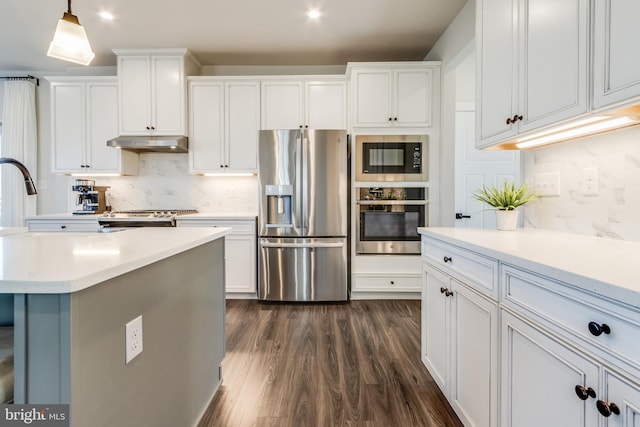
[(164, 182), (614, 212)]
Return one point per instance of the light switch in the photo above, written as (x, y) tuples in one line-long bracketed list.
[(547, 184)]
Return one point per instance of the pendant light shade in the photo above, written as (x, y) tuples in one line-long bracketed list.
[(70, 42)]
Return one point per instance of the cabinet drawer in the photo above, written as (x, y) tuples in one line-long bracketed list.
[(584, 315), (481, 272), (64, 226), (381, 283)]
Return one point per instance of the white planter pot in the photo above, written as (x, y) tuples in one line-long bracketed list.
[(506, 220)]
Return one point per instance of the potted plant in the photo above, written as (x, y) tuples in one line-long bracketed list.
[(505, 200)]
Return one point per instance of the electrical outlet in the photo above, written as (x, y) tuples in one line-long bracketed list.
[(133, 340), (590, 181), (547, 184)]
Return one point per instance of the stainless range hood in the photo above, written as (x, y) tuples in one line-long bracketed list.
[(150, 144)]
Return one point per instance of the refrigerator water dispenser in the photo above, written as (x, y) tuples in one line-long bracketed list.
[(278, 205)]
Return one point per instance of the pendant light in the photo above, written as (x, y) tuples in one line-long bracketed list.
[(70, 41)]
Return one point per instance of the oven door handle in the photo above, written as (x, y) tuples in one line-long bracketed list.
[(392, 202), (302, 245)]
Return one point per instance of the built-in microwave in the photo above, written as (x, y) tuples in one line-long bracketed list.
[(392, 158)]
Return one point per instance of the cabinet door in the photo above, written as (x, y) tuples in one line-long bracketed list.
[(539, 377), (554, 65), (282, 105), (626, 396), (474, 361), (167, 96), (134, 92), (240, 263), (326, 105), (372, 103), (67, 127), (496, 84), (102, 124), (242, 102), (413, 98), (206, 133), (616, 33), (435, 325)]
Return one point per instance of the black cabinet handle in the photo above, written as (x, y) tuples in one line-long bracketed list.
[(460, 215), (148, 128), (597, 330), (63, 226), (512, 120), (607, 408), (585, 392), (153, 128), (448, 293), (447, 259), (443, 290)]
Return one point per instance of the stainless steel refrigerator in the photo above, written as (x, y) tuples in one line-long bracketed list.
[(303, 218)]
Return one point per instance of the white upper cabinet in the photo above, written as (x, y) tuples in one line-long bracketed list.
[(393, 95), (314, 104), (532, 65), (224, 121), (153, 91), (616, 66), (84, 115)]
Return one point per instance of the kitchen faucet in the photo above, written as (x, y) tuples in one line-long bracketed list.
[(28, 182)]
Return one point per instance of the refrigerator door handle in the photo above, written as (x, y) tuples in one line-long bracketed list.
[(305, 181), (302, 245), (298, 185)]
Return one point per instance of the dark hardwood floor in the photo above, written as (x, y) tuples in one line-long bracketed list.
[(307, 365)]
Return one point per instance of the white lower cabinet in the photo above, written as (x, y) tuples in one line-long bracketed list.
[(540, 377), (76, 224), (559, 355), (460, 345), (240, 253)]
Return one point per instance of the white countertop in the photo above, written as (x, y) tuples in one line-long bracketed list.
[(200, 215), (607, 267), (64, 262)]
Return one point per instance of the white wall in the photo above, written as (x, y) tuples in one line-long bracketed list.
[(452, 49), (615, 211)]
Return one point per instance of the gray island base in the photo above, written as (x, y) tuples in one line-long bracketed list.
[(70, 347)]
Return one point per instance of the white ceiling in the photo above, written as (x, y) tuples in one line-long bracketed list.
[(231, 32)]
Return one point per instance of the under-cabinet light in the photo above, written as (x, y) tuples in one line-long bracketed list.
[(230, 174), (95, 174), (585, 127)]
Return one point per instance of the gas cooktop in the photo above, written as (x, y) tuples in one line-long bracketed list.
[(143, 218)]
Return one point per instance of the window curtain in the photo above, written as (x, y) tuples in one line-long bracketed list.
[(19, 141)]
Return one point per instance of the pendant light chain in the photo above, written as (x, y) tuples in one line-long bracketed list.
[(69, 3)]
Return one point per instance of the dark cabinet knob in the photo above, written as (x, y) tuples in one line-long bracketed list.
[(607, 408), (446, 292), (447, 259), (597, 330), (153, 128), (148, 128), (512, 120), (392, 282), (63, 226), (395, 119), (390, 119), (585, 392), (300, 126), (226, 166), (306, 126)]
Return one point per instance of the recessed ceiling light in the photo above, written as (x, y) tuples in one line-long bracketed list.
[(313, 14), (106, 15)]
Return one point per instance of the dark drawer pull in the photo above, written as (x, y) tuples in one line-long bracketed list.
[(447, 259), (597, 330), (607, 408), (585, 392)]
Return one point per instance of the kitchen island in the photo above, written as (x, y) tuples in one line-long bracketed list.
[(75, 292)]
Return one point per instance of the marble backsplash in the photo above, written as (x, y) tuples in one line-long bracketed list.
[(164, 182), (615, 211)]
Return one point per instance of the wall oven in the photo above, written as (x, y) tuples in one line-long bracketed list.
[(392, 158), (387, 219)]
